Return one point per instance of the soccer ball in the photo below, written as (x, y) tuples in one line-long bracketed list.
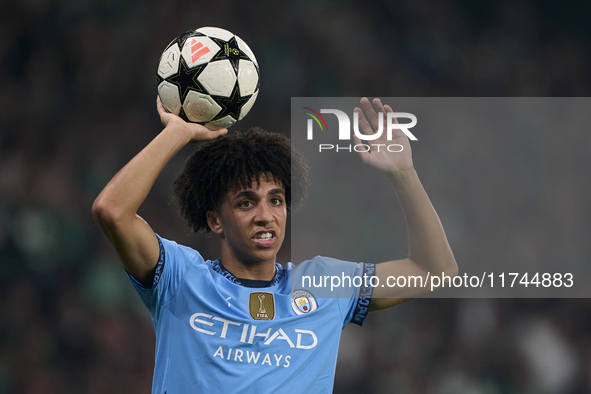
[(208, 76)]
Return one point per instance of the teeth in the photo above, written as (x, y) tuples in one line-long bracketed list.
[(264, 236)]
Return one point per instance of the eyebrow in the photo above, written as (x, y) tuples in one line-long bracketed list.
[(252, 194)]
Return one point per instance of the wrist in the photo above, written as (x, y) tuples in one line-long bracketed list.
[(181, 135), (400, 177)]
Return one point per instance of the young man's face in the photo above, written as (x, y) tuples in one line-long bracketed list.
[(252, 222)]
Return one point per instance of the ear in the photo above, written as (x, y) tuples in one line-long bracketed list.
[(213, 221)]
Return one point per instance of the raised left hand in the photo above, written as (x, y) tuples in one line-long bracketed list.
[(379, 156)]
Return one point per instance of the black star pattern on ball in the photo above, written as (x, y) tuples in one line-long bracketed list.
[(180, 41), (231, 105), (229, 50), (186, 35), (186, 79)]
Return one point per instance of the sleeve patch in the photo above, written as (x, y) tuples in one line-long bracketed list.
[(364, 299), (152, 280)]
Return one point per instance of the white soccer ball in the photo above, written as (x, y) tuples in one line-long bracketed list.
[(208, 76)]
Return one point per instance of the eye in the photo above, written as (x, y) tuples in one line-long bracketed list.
[(277, 201), (245, 204)]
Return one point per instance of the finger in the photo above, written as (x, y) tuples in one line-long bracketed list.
[(219, 132), (159, 105), (377, 103), (213, 127), (389, 109), (161, 112), (215, 133), (363, 123), (207, 134), (371, 114)]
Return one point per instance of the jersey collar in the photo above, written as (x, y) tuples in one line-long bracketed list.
[(220, 269)]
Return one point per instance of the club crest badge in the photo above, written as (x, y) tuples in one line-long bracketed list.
[(261, 305), (303, 302)]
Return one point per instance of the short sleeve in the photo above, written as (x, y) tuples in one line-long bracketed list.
[(173, 263), (345, 282)]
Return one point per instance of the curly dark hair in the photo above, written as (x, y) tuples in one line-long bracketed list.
[(232, 162)]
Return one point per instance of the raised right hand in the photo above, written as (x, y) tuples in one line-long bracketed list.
[(195, 131)]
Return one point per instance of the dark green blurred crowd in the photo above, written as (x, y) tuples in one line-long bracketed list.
[(77, 101)]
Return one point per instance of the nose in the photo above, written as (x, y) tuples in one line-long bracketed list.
[(263, 215)]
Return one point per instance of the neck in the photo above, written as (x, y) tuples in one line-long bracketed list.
[(255, 270)]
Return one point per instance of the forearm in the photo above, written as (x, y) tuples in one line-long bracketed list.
[(428, 245), (124, 194)]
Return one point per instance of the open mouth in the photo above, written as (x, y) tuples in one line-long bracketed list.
[(265, 238), (264, 235)]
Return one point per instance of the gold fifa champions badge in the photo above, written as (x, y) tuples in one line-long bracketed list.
[(261, 305)]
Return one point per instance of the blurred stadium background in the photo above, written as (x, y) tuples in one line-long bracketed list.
[(77, 101)]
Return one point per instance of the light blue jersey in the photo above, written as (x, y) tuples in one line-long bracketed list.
[(214, 335)]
